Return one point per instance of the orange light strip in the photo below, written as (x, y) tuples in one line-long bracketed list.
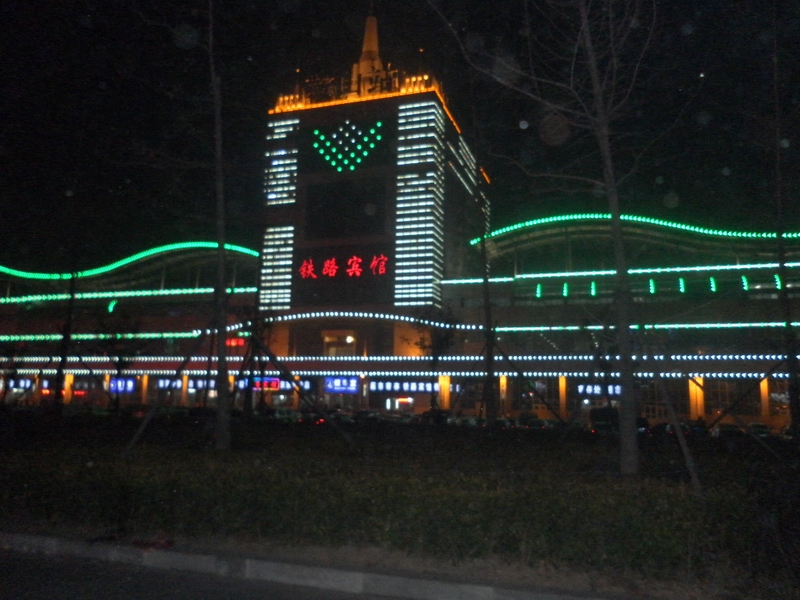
[(485, 175), (447, 110), (301, 105)]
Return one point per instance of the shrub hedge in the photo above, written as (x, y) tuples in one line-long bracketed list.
[(452, 496)]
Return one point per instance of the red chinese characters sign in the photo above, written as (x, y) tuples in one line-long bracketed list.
[(355, 266), (307, 269)]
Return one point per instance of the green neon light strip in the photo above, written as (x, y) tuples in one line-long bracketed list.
[(121, 294), (564, 274), (55, 337), (610, 272), (660, 270), (756, 325), (635, 219), (477, 280), (127, 261)]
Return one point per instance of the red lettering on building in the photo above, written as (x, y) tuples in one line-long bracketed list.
[(354, 266), (307, 269), (330, 268), (378, 265)]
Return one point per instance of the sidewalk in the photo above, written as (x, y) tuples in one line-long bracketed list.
[(357, 582)]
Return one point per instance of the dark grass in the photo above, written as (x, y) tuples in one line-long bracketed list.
[(447, 492)]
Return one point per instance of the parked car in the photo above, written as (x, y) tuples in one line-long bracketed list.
[(530, 421), (396, 416), (504, 424), (468, 421), (759, 430), (729, 435), (342, 416), (287, 415), (367, 416), (699, 428), (722, 431), (603, 428), (435, 416), (667, 430)]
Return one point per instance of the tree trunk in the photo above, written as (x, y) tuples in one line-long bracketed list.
[(629, 449), (489, 400), (780, 227), (223, 433)]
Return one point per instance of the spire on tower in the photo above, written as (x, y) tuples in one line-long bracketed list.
[(368, 72), (370, 58)]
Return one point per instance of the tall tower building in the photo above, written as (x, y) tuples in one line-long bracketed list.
[(371, 194)]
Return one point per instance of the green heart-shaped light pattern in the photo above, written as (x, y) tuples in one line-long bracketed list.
[(347, 146)]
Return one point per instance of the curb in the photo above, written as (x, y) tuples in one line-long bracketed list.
[(354, 582)]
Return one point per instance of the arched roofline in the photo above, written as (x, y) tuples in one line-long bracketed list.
[(669, 225), (139, 256)]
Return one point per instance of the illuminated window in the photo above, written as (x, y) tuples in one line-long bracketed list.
[(339, 343), (280, 186), (275, 291), (419, 230)]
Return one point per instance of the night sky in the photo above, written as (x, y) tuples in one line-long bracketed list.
[(106, 123)]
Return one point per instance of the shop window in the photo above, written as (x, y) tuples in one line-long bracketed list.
[(339, 343)]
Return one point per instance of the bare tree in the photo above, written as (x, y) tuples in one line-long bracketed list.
[(579, 65), (223, 432), (187, 37)]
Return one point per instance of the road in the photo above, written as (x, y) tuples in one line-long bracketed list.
[(38, 577)]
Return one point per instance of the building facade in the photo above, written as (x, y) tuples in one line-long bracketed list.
[(369, 286)]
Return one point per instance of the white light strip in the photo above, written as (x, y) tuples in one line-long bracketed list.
[(280, 182), (368, 315), (275, 289), (204, 373), (475, 358), (420, 199)]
